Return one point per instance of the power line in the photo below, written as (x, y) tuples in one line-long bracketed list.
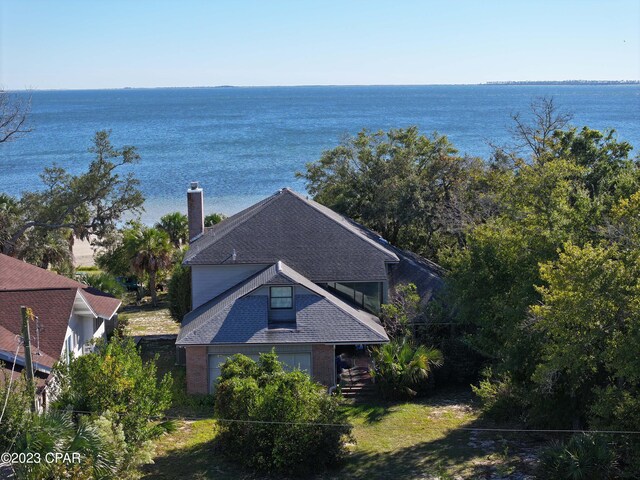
[(13, 366), (231, 420), (427, 427)]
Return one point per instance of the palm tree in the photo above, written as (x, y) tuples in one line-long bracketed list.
[(176, 225), (56, 433), (149, 250), (213, 218), (400, 367)]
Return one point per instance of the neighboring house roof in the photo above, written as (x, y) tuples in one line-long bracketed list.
[(53, 309), (235, 317), (52, 298), (8, 344), (18, 275), (314, 240)]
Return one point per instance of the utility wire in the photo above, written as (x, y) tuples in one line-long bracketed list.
[(466, 429), (13, 366)]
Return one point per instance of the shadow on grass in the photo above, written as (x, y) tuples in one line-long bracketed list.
[(201, 462), (375, 409), (458, 454), (372, 412)]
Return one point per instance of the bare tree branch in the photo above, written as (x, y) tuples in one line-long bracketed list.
[(547, 119), (13, 116)]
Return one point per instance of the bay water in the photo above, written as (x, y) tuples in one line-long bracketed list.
[(244, 143)]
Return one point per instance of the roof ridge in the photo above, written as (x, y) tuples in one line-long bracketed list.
[(321, 209), (279, 268), (230, 223), (228, 295), (39, 289)]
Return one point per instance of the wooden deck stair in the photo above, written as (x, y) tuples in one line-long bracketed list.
[(356, 382)]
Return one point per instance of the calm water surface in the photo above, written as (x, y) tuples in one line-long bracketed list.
[(244, 143)]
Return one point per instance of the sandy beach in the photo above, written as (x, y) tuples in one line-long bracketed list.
[(82, 253)]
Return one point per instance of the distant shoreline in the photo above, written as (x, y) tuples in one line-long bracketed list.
[(567, 82), (204, 87)]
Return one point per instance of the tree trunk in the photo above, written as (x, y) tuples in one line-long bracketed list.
[(152, 288)]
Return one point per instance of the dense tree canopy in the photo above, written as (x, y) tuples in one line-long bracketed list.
[(90, 203), (416, 191), (541, 248)]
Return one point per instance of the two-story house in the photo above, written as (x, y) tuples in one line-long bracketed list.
[(290, 274)]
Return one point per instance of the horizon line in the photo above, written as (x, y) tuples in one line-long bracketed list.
[(318, 85)]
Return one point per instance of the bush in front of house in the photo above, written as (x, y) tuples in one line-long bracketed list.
[(122, 393), (281, 421)]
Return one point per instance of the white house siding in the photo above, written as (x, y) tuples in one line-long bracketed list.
[(209, 281), (74, 335), (80, 331)]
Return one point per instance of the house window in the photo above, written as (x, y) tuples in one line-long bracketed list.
[(281, 298), (367, 295)]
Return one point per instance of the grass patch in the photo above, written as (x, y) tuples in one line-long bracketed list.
[(88, 268), (392, 440), (148, 320), (418, 439), (189, 453)]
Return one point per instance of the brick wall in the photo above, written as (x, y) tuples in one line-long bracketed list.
[(323, 364), (197, 370)]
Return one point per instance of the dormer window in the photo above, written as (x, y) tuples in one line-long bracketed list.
[(281, 298)]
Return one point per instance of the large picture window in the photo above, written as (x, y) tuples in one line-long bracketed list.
[(281, 298), (365, 295)]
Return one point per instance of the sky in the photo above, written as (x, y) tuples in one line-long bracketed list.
[(142, 43)]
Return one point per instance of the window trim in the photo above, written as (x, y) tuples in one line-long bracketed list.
[(271, 297)]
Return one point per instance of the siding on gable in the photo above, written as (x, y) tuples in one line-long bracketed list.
[(209, 281)]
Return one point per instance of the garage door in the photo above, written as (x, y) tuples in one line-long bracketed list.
[(291, 361)]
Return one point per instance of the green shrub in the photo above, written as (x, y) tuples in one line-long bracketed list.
[(582, 457), (179, 295), (498, 397), (115, 378), (106, 283), (213, 218), (16, 413), (402, 370), (88, 268), (303, 429), (57, 433)]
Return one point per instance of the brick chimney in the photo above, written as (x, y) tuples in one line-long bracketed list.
[(195, 211)]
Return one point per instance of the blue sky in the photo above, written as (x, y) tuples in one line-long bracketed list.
[(139, 43)]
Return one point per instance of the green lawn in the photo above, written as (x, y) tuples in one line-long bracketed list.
[(402, 440), (392, 440)]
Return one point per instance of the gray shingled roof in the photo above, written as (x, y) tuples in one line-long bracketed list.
[(311, 238), (234, 317)]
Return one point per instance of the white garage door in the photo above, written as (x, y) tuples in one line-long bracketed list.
[(301, 361)]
